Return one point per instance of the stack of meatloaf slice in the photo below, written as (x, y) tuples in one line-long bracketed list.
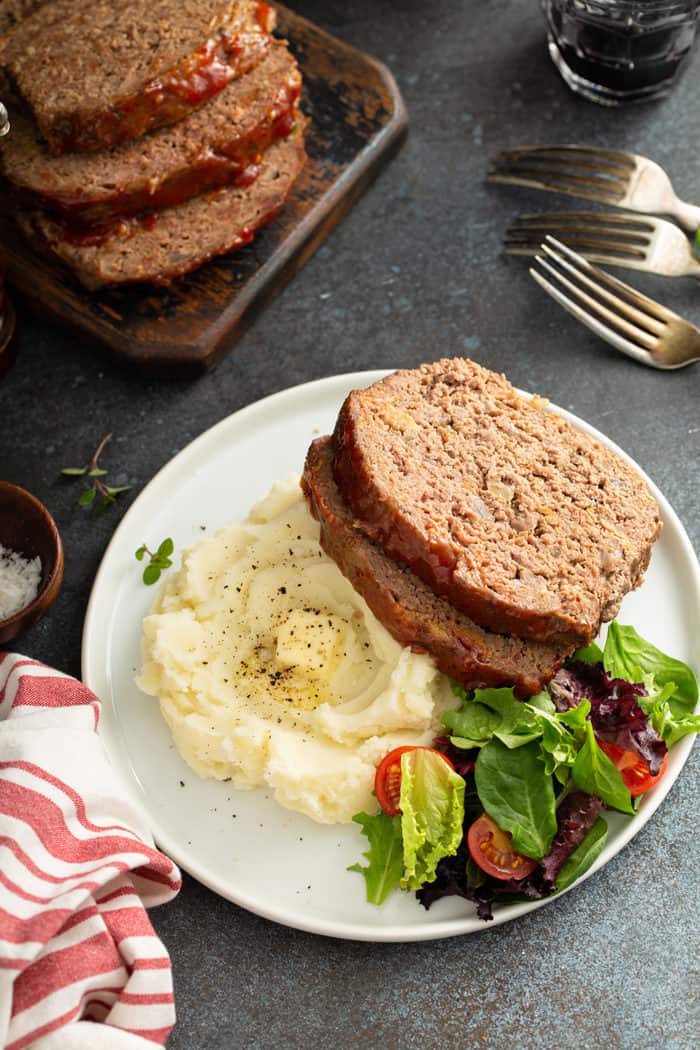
[(151, 135), (476, 524)]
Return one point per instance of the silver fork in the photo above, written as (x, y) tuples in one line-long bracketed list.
[(625, 180), (629, 321), (650, 244)]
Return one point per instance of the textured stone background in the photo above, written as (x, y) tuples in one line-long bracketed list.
[(415, 272)]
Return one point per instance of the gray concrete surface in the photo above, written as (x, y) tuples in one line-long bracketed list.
[(415, 272)]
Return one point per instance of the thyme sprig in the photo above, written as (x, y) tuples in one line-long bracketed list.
[(107, 493), (158, 560)]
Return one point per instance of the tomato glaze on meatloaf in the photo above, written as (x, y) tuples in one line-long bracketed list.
[(522, 521), (96, 74), (174, 241), (216, 145)]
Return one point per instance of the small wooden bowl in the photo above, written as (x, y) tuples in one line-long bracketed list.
[(27, 528)]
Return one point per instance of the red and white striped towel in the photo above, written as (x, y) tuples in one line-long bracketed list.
[(77, 865)]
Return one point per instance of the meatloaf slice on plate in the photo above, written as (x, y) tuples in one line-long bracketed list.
[(13, 11), (176, 240), (523, 522), (96, 74), (216, 145), (409, 610)]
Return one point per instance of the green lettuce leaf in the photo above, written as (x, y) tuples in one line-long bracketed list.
[(591, 654), (518, 794), (472, 724), (432, 815), (583, 856), (628, 655), (594, 773), (385, 854), (672, 689)]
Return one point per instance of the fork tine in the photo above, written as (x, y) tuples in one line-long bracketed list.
[(614, 161), (592, 189), (610, 336), (625, 239), (644, 329), (594, 249), (637, 298), (639, 223)]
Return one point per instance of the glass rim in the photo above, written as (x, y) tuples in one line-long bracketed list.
[(649, 5)]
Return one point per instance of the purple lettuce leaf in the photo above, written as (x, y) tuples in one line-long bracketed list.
[(615, 715)]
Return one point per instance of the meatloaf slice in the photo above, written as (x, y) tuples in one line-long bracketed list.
[(177, 240), (520, 520), (94, 75), (216, 145), (13, 11), (409, 610)]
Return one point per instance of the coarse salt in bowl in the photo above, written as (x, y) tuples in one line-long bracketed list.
[(31, 560)]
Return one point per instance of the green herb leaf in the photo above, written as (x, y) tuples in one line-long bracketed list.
[(97, 472), (151, 574), (166, 548), (628, 655), (385, 855), (517, 793), (115, 491), (87, 497), (518, 725), (74, 472), (583, 856), (432, 815), (591, 654), (594, 773), (473, 724), (139, 554)]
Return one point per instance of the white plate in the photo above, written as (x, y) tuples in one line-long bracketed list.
[(242, 844)]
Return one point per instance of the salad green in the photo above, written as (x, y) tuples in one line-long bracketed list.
[(540, 770)]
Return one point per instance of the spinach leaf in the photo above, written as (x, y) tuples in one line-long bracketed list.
[(516, 792), (584, 855), (473, 724), (594, 773), (385, 855), (627, 655), (518, 725)]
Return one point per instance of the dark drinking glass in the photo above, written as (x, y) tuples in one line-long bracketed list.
[(614, 51)]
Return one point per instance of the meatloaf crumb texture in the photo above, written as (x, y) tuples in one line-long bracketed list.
[(410, 611), (522, 521), (211, 147), (94, 75), (177, 240), (13, 11)]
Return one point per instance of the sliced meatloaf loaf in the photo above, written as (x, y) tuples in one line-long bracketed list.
[(96, 74), (177, 240), (410, 611), (216, 145), (523, 522)]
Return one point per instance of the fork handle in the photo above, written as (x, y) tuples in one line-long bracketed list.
[(686, 215)]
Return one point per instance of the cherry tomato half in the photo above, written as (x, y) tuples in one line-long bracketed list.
[(490, 848), (387, 779), (633, 769)]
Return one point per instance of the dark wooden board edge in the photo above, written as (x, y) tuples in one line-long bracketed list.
[(167, 360)]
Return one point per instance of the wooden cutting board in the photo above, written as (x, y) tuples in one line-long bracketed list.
[(357, 121)]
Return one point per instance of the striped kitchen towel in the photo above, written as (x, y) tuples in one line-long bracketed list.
[(77, 865)]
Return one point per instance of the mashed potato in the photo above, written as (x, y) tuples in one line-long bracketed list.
[(271, 670)]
